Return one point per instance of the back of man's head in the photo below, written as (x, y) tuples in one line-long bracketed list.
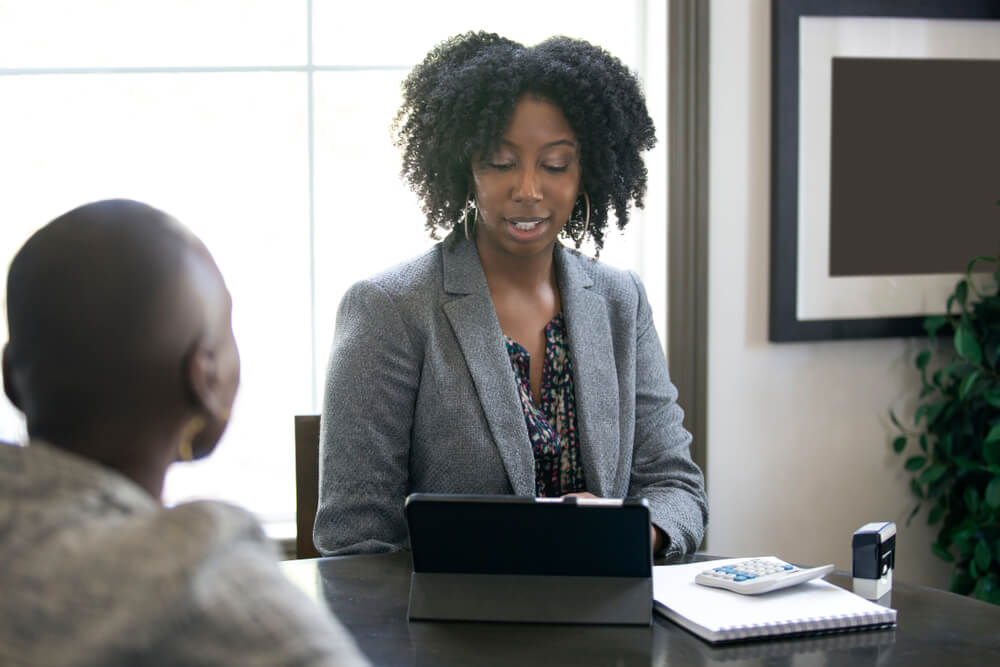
[(99, 317)]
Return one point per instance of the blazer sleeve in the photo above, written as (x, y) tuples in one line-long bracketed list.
[(368, 402), (662, 469)]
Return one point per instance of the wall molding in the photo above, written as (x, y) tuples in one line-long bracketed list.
[(687, 235)]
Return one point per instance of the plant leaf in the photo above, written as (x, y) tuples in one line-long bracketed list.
[(940, 487), (949, 370), (961, 582), (976, 260), (913, 512), (928, 388), (991, 452), (895, 420), (984, 587), (942, 448), (942, 553), (933, 324), (923, 358), (934, 473), (994, 434), (918, 490), (967, 383), (992, 397), (971, 499), (983, 556), (965, 530), (923, 442), (962, 292), (935, 514), (899, 444), (966, 344), (915, 463), (965, 464), (964, 548), (992, 495)]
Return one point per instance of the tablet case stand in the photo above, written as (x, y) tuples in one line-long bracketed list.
[(530, 598)]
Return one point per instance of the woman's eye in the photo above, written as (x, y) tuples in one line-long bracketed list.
[(556, 167), (502, 166)]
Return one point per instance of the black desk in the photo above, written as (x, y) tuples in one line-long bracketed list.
[(369, 596)]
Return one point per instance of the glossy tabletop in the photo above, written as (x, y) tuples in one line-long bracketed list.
[(369, 595)]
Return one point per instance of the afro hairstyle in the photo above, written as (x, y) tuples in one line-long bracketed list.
[(459, 100)]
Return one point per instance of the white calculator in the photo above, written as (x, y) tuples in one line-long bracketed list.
[(759, 575)]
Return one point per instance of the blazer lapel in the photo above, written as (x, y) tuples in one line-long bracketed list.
[(595, 375), (474, 321)]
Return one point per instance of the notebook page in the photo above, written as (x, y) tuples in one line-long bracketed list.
[(814, 605)]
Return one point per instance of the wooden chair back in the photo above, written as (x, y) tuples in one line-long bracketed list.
[(306, 483)]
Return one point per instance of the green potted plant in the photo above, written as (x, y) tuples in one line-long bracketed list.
[(955, 450)]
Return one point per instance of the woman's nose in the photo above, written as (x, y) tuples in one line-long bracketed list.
[(527, 186)]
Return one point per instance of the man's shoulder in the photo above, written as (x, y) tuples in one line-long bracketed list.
[(212, 522)]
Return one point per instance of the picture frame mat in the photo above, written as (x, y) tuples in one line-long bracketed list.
[(818, 295)]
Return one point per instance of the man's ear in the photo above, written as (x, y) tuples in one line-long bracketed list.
[(8, 379), (201, 379)]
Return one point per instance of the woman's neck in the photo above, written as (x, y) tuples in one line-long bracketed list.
[(510, 272)]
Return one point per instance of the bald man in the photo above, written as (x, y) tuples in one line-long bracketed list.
[(122, 358)]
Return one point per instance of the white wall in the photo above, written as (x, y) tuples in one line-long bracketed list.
[(798, 434)]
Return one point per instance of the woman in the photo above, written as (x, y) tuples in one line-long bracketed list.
[(501, 362), (122, 358)]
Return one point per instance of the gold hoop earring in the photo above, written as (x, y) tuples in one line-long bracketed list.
[(586, 220), (465, 216), (185, 448)]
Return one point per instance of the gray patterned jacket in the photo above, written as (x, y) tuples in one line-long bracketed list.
[(93, 571), (420, 397)]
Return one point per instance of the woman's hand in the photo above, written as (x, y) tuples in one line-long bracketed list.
[(582, 494), (656, 534)]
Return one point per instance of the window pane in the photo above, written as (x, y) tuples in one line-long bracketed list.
[(227, 155), (366, 218), (389, 32), (147, 33)]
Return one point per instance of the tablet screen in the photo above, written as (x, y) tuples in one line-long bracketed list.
[(514, 535)]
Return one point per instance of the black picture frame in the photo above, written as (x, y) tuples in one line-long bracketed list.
[(785, 14)]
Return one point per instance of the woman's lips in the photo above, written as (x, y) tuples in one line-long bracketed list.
[(525, 224)]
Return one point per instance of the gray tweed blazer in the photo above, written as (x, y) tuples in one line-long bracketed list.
[(420, 396)]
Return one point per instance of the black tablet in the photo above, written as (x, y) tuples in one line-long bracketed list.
[(513, 535)]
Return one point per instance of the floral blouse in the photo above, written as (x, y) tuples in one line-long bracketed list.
[(552, 424)]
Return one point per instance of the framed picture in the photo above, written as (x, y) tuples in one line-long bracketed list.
[(885, 161)]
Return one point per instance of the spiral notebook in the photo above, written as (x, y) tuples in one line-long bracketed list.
[(717, 615)]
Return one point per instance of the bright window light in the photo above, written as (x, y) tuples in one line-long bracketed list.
[(278, 158)]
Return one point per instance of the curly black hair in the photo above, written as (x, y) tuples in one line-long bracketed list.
[(458, 102)]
